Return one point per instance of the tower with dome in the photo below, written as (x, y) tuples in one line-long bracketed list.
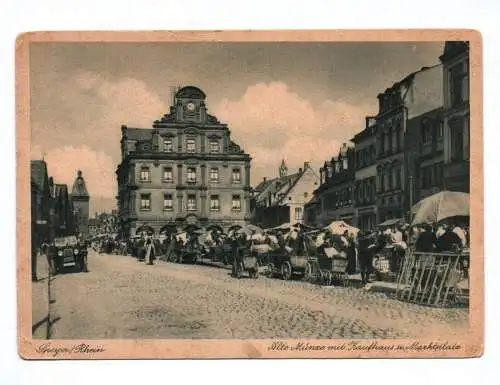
[(80, 199)]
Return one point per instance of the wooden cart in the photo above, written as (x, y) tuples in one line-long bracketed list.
[(327, 271)]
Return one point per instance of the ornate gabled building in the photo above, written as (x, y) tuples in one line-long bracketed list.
[(184, 170), (80, 200), (456, 115)]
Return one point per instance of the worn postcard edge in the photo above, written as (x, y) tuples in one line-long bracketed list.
[(469, 345)]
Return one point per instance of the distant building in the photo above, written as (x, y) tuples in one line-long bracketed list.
[(41, 226), (281, 200), (184, 170), (456, 115), (80, 198), (64, 221), (365, 193), (335, 193), (416, 94)]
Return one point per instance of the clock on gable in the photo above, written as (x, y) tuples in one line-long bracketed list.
[(191, 107)]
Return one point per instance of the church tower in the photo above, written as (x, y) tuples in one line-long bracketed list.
[(80, 198)]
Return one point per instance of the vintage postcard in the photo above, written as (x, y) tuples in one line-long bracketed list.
[(249, 194)]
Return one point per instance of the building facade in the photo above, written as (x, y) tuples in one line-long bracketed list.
[(334, 198), (41, 223), (365, 197), (184, 170), (424, 151), (80, 199), (282, 200), (456, 116), (415, 95)]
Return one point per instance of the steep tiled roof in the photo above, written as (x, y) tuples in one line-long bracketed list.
[(39, 172), (274, 186)]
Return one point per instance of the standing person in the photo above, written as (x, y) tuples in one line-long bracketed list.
[(150, 251), (366, 250), (351, 255)]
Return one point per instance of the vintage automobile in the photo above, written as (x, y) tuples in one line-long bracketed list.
[(69, 253)]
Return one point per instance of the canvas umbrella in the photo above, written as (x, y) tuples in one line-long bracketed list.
[(339, 227), (249, 229), (445, 204)]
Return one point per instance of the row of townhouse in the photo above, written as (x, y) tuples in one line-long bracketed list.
[(55, 211), (416, 145)]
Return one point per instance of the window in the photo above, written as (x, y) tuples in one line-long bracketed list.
[(441, 130), (145, 174), (168, 204), (214, 175), (298, 213), (214, 203), (426, 132), (345, 165), (398, 177), (457, 140), (168, 175), (191, 175), (236, 175), (145, 201), (214, 146), (459, 87), (191, 202), (190, 145), (168, 146), (236, 203)]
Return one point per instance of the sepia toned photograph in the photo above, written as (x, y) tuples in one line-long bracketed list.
[(250, 194)]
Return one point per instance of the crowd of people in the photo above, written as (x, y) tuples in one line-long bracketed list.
[(358, 247)]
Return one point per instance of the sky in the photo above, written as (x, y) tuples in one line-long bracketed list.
[(293, 101)]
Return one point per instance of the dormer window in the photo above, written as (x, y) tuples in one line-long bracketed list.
[(214, 146), (190, 145)]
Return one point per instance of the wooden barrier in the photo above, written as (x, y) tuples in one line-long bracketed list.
[(430, 278)]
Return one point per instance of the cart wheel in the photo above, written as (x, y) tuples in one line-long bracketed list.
[(256, 271), (286, 271), (270, 270), (328, 278), (308, 274)]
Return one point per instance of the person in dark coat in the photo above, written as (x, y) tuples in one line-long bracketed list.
[(448, 242), (366, 249), (351, 256), (426, 241)]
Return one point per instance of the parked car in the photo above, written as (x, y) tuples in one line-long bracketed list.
[(69, 253)]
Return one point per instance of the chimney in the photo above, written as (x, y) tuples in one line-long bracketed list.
[(264, 179), (307, 165)]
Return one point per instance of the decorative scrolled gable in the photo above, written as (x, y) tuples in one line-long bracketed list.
[(234, 148)]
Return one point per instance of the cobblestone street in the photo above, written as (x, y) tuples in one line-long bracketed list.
[(122, 298)]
